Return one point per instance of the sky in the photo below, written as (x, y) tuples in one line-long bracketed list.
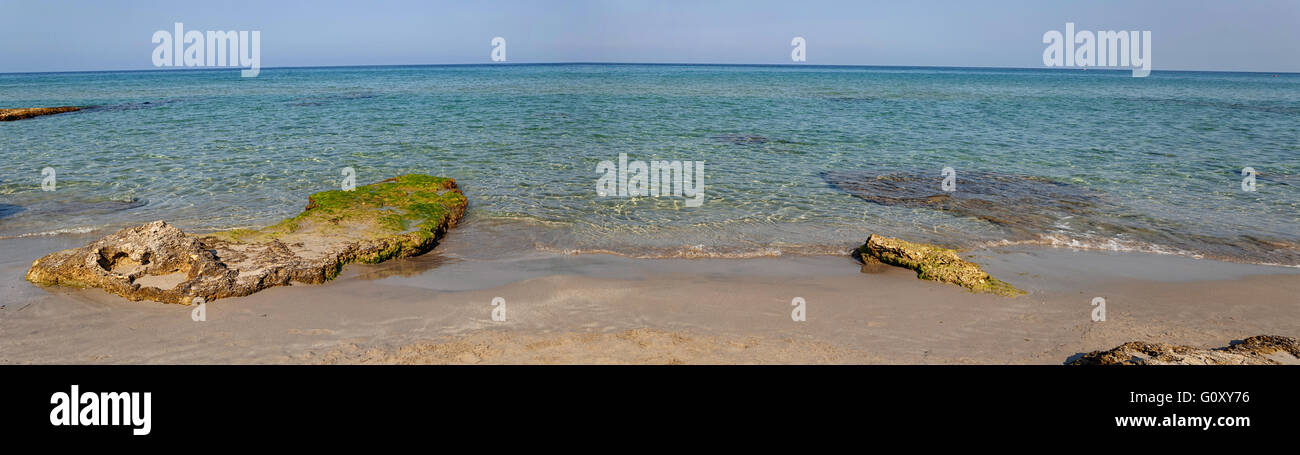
[(86, 35)]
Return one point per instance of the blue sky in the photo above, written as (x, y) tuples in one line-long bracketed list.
[(75, 35)]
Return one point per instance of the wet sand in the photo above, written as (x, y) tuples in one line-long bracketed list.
[(598, 308)]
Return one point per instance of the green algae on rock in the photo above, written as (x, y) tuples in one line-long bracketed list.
[(398, 217), (7, 115), (931, 263)]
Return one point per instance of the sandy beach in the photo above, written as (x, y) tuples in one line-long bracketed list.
[(1076, 220), (344, 180), (599, 309)]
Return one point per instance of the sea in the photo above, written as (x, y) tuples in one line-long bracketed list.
[(797, 160)]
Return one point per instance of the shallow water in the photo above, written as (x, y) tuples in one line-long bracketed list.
[(208, 150)]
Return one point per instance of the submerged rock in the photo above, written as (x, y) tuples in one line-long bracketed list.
[(29, 112), (741, 139), (322, 100), (10, 209), (131, 105), (1021, 204), (398, 217), (73, 205), (1256, 350), (930, 263), (1047, 211)]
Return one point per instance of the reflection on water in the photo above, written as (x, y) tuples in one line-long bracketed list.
[(405, 267)]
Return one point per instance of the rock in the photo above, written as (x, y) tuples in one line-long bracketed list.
[(1024, 205), (7, 115), (399, 217), (1256, 350), (741, 139), (1046, 211), (930, 263)]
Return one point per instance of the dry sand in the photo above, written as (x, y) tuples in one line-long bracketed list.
[(608, 309)]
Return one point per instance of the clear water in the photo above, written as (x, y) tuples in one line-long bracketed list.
[(208, 150)]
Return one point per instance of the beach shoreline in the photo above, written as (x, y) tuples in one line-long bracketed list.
[(600, 308)]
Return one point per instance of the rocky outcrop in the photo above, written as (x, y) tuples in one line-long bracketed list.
[(930, 263), (29, 112), (1256, 350), (399, 217)]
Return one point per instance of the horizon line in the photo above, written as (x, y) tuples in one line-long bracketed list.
[(788, 65)]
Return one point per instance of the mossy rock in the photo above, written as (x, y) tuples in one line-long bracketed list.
[(8, 115), (932, 263), (399, 217), (414, 208)]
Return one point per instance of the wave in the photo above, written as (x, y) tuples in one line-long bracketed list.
[(704, 252), (1054, 240), (1118, 245), (64, 231), (1097, 244)]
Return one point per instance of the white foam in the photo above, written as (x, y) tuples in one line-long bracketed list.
[(64, 231), (703, 252)]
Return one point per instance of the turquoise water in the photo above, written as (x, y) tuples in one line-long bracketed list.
[(1154, 162)]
